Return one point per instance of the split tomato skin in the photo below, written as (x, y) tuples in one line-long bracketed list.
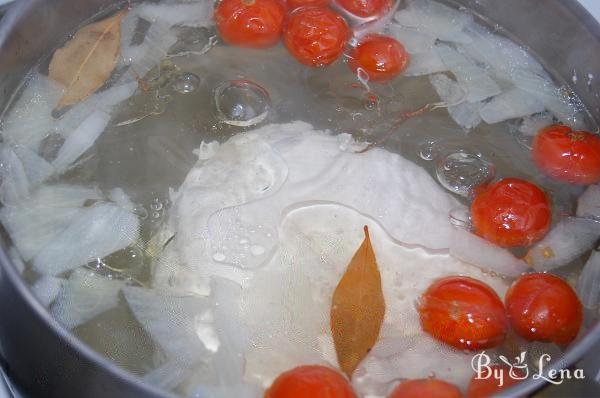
[(382, 57), (511, 213), (312, 381), (250, 23), (316, 36), (543, 307), (421, 388), (566, 155), (489, 386), (464, 313), (366, 8)]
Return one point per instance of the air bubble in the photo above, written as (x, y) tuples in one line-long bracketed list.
[(241, 102), (186, 83), (156, 205), (461, 172), (427, 151)]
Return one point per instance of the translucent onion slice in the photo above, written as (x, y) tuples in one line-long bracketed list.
[(47, 288), (566, 241), (180, 325), (85, 295), (485, 255), (588, 204), (99, 230), (588, 285)]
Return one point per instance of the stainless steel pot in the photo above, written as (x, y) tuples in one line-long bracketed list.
[(47, 361)]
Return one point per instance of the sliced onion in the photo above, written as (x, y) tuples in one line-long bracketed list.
[(475, 80), (477, 251), (441, 21), (14, 184), (47, 288), (81, 140), (35, 221), (540, 85), (192, 13), (588, 204), (36, 168), (588, 285), (145, 56), (425, 64), (62, 196), (511, 104), (85, 295), (465, 114), (104, 101), (32, 229), (565, 242), (449, 90), (168, 376), (30, 119), (99, 230), (531, 125), (21, 170), (173, 323), (413, 40), (497, 52)]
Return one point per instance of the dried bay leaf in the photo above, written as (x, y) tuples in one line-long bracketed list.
[(357, 308), (87, 60)]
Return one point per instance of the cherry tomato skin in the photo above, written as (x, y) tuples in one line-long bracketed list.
[(511, 213), (366, 8), (544, 307), (382, 57), (489, 384), (566, 155), (316, 36), (310, 381), (421, 388), (250, 23), (293, 4), (464, 313)]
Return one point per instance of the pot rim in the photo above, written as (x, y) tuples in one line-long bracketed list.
[(9, 270)]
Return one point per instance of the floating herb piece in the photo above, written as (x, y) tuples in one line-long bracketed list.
[(357, 308), (87, 60)]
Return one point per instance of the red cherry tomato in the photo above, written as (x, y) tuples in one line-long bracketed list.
[(310, 381), (489, 383), (511, 213), (382, 57), (293, 4), (567, 155), (366, 8), (544, 307), (316, 36), (250, 23), (421, 388), (464, 313)]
